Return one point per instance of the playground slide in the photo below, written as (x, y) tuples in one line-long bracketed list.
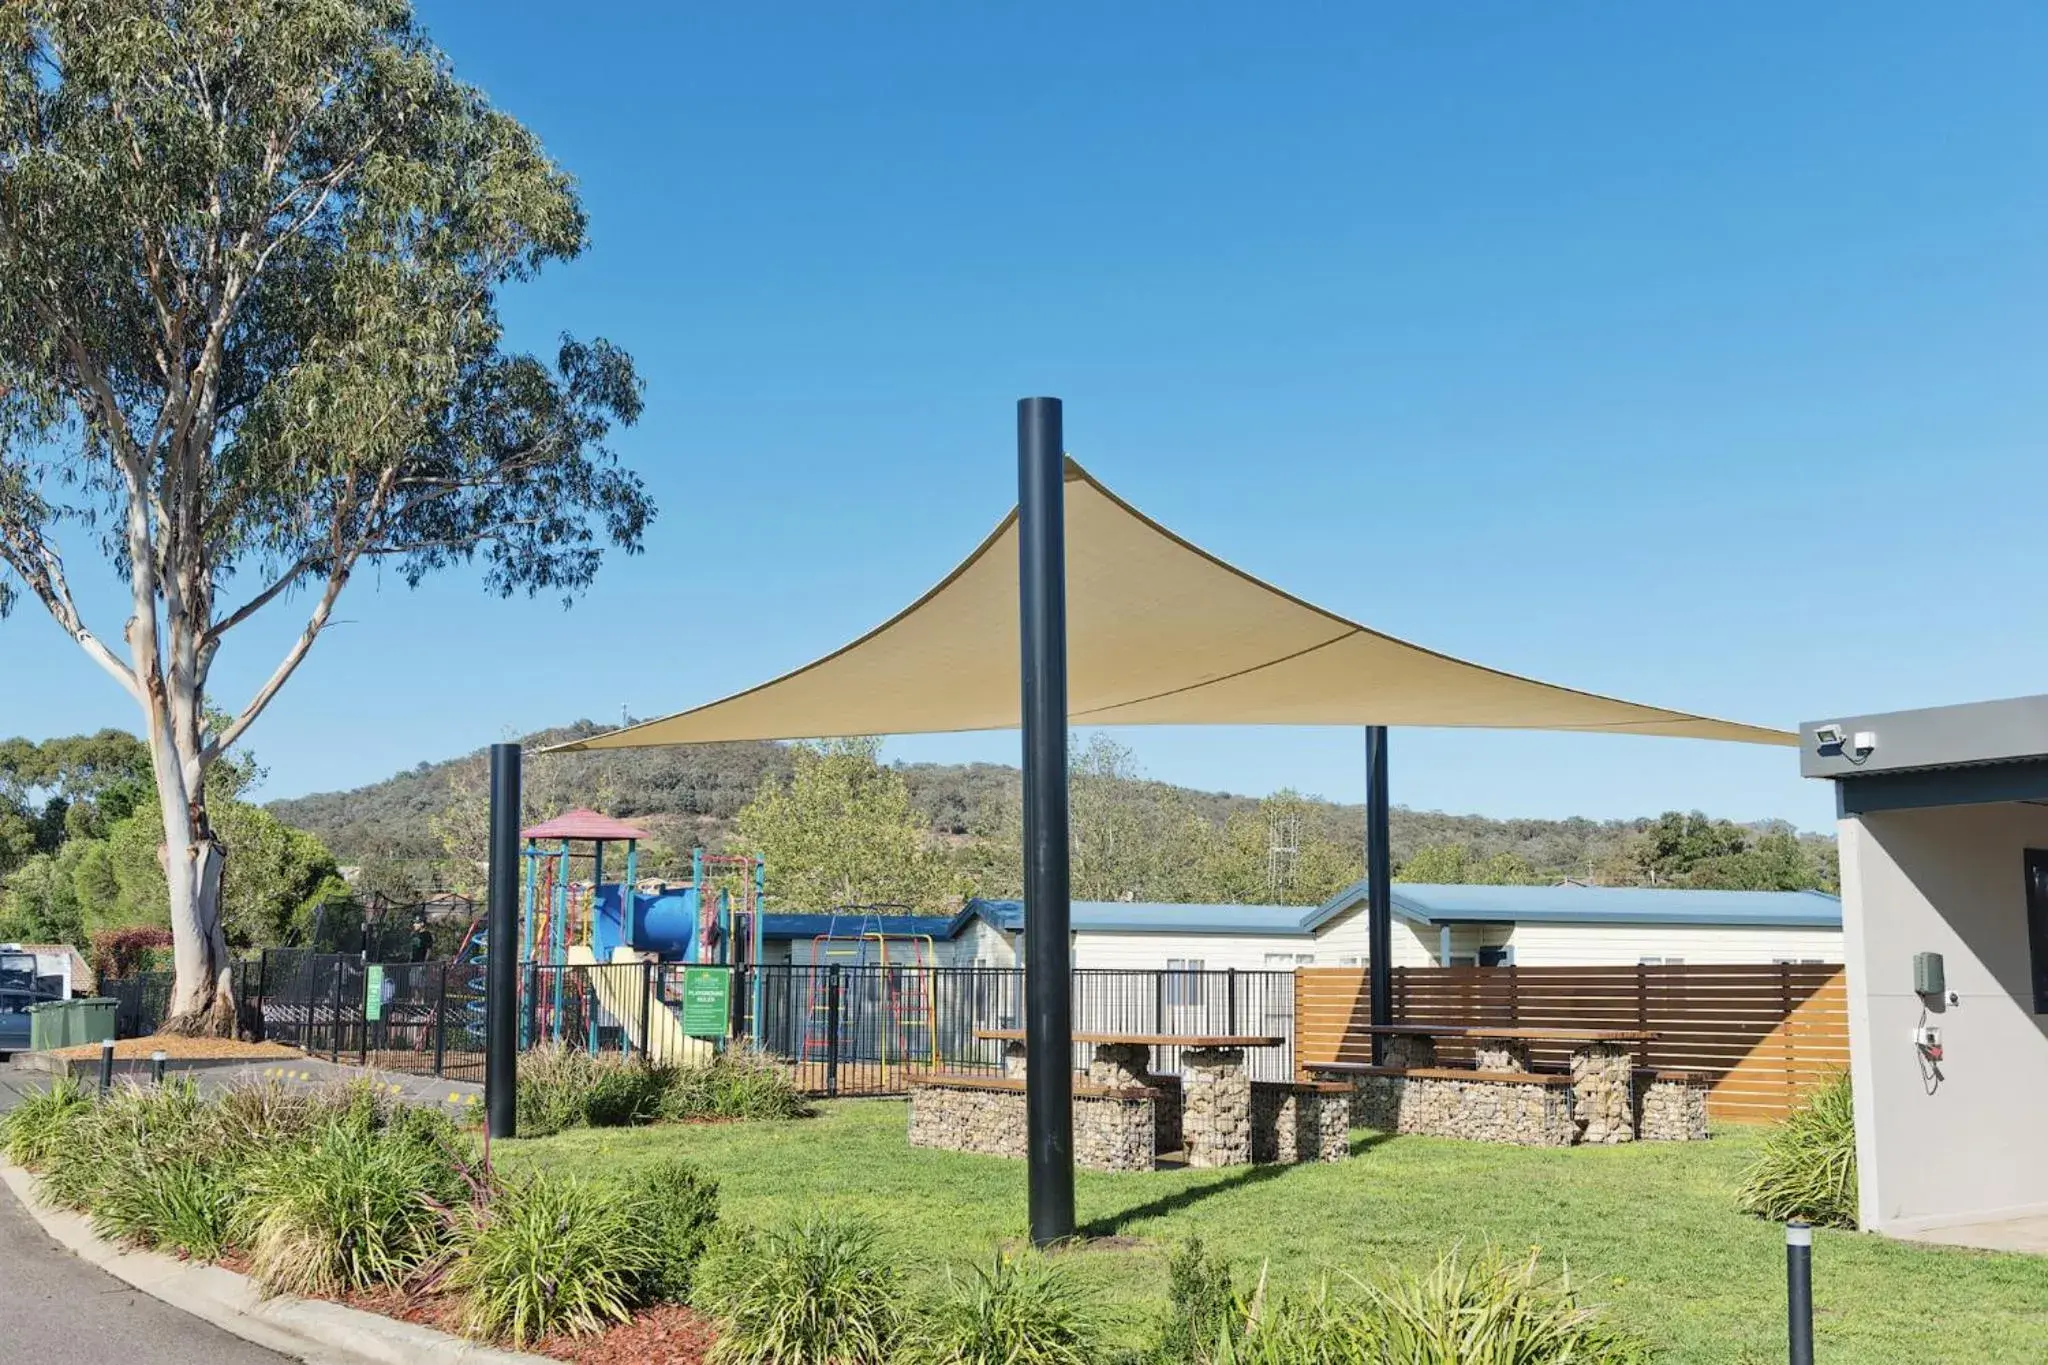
[(619, 993)]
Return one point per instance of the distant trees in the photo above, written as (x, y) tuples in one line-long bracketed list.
[(1456, 864), (1283, 852), (1134, 839), (1690, 849), (841, 831), (97, 861)]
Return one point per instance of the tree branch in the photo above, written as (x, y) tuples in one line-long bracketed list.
[(285, 668), (42, 568)]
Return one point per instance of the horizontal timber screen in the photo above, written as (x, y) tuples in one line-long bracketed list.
[(1765, 1034)]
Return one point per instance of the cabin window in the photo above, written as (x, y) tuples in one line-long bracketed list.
[(2037, 924), (1287, 962), (1184, 981), (1660, 962)]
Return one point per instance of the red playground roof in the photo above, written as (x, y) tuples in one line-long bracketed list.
[(583, 824)]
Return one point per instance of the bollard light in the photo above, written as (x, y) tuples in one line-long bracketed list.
[(1799, 1290), (106, 1065), (157, 1061)]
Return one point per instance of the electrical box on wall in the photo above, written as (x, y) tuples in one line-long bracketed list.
[(1928, 977)]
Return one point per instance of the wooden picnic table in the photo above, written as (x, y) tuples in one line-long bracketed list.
[(1016, 1035)]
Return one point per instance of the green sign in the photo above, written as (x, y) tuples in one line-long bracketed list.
[(707, 1001), (373, 993)]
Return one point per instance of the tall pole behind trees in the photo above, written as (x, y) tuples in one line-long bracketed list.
[(1379, 891), (1048, 985)]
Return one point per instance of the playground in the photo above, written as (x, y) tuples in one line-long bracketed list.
[(609, 962)]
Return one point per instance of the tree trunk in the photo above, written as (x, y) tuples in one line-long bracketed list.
[(202, 996)]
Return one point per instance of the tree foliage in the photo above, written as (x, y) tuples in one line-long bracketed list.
[(104, 870), (1458, 865), (842, 831), (249, 260)]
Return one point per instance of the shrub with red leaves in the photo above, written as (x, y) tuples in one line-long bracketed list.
[(123, 952)]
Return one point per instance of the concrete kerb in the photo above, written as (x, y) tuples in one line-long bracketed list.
[(306, 1329)]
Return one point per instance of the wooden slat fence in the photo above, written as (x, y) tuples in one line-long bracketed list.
[(1765, 1033)]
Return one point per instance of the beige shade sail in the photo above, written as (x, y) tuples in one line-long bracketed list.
[(1159, 632)]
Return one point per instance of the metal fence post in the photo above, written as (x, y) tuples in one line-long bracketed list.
[(530, 1033), (1230, 1002), (334, 1018), (832, 1030), (647, 985), (1799, 1291), (441, 1021)]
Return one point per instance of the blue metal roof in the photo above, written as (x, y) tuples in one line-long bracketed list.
[(1432, 905), (1615, 905), (801, 926), (1141, 917)]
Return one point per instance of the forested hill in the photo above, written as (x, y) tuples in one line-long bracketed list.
[(690, 795)]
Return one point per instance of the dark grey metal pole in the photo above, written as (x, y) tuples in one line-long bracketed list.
[(106, 1065), (1048, 985), (1379, 891), (501, 949), (1799, 1291), (832, 1008)]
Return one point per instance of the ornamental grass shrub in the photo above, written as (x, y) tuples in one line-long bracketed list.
[(183, 1204), (553, 1253), (739, 1083), (816, 1292), (355, 1205), (1487, 1310), (565, 1087), (34, 1129), (1479, 1310), (1012, 1310), (1807, 1167)]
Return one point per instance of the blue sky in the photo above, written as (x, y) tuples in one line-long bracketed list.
[(1690, 354)]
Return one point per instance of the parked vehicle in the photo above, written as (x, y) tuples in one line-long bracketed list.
[(27, 979)]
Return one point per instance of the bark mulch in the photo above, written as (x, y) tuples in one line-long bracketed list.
[(180, 1048), (668, 1334)]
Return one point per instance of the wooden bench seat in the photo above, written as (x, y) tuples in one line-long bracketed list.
[(1442, 1073), (958, 1080), (1307, 1087)]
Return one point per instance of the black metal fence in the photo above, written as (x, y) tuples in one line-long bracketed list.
[(143, 1001), (422, 1017), (856, 1030), (871, 1029)]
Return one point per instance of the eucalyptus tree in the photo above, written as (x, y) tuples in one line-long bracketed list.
[(250, 252)]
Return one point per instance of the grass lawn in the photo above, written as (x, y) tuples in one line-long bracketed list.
[(1647, 1228)]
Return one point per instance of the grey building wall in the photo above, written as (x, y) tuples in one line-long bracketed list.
[(1947, 880)]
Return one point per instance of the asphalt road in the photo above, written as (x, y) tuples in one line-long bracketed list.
[(57, 1310)]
